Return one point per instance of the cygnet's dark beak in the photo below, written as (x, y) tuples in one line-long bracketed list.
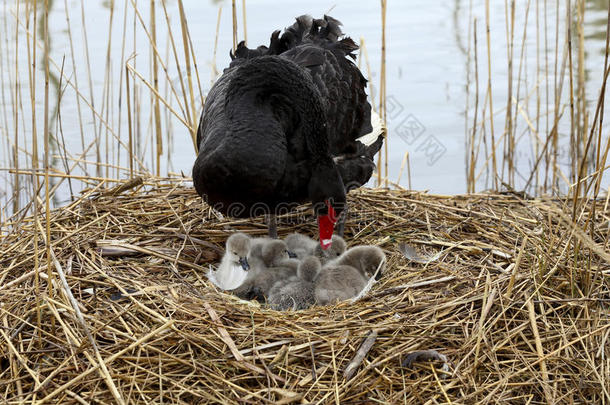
[(291, 254), (244, 263), (377, 276)]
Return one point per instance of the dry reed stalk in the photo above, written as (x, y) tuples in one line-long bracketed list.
[(90, 83), (4, 134), (129, 123), (581, 104), (405, 163), (574, 144), (187, 58), (539, 349), (535, 142), (155, 79), (490, 99), (601, 162), (47, 150), (509, 157), (382, 100), (214, 74), (16, 180), (32, 83), (472, 161), (122, 75), (234, 23), (369, 75), (32, 62), (550, 153), (73, 59), (191, 48), (106, 106), (513, 137), (243, 15)]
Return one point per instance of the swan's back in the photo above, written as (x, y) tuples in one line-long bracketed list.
[(315, 45)]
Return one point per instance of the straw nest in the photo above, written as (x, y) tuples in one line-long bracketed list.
[(508, 289)]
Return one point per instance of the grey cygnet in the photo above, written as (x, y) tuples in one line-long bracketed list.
[(303, 246), (274, 266), (233, 267), (296, 293), (346, 276)]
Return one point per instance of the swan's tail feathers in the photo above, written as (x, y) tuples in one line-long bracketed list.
[(323, 31), (374, 139), (243, 52), (299, 30), (327, 28)]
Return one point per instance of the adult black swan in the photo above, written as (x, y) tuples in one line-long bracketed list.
[(286, 124)]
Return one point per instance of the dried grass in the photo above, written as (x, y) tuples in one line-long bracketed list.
[(141, 324)]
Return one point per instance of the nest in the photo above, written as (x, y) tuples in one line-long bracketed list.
[(117, 307)]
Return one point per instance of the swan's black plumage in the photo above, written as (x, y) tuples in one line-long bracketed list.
[(280, 125)]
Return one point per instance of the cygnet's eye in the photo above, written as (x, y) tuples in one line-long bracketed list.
[(235, 253)]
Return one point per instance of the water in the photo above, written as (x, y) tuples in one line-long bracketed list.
[(430, 79)]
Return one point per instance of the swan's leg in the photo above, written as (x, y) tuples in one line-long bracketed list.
[(342, 221), (271, 225)]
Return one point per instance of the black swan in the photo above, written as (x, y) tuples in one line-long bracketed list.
[(287, 124)]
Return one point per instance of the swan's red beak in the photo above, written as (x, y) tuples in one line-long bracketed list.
[(326, 226)]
